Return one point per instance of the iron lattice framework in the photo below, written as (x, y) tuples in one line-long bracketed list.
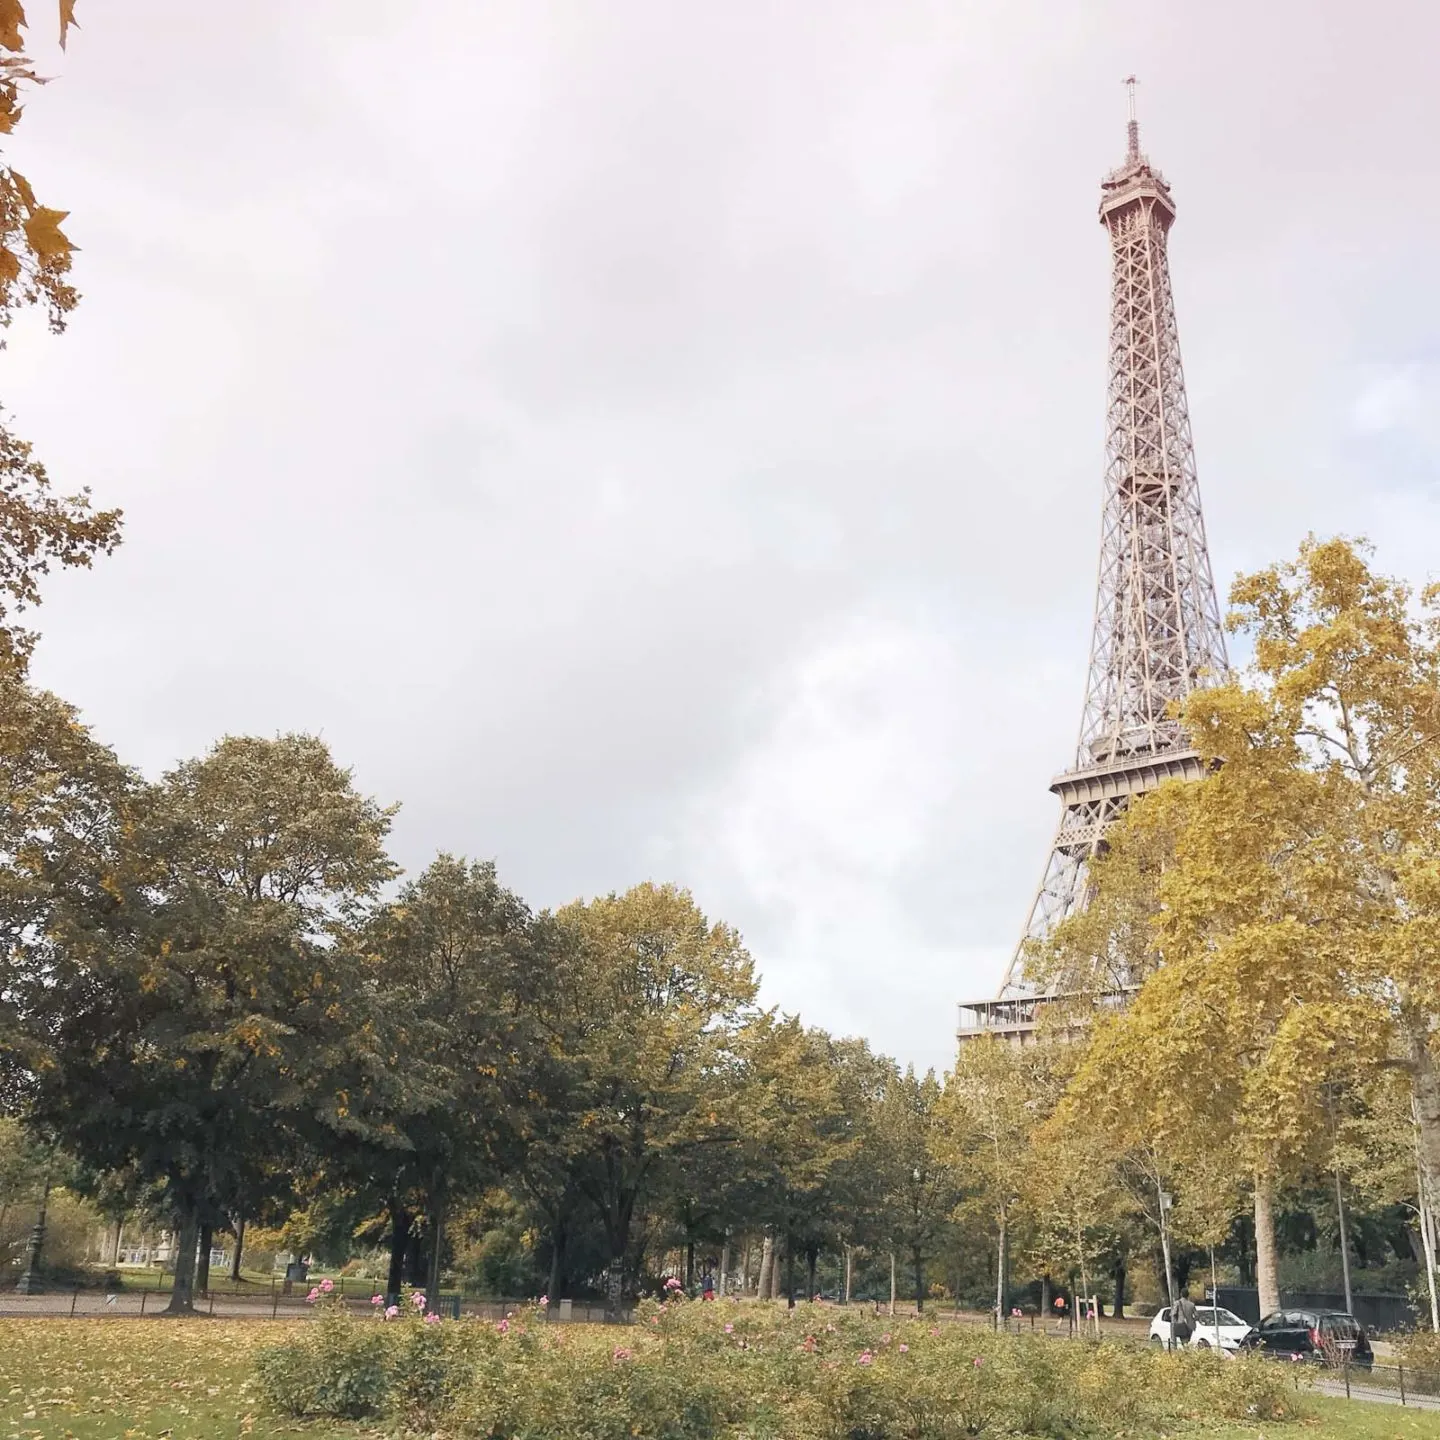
[(1157, 630)]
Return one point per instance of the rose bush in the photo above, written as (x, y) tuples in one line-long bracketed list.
[(744, 1371)]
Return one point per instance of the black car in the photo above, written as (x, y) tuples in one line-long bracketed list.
[(1327, 1337)]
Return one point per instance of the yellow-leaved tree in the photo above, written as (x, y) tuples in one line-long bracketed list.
[(37, 527), (1254, 1001)]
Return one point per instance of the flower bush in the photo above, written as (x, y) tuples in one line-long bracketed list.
[(743, 1372)]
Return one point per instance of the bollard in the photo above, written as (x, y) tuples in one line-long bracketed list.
[(73, 1299), (143, 1294), (1402, 1384), (212, 1302), (274, 1300), (1347, 1376)]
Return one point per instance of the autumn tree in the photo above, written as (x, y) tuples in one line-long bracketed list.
[(919, 1179), (68, 803), (207, 1019), (798, 1125), (38, 529), (994, 1102), (666, 993), (456, 976)]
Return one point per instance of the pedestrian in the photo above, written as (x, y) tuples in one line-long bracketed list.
[(1183, 1318), (707, 1286)]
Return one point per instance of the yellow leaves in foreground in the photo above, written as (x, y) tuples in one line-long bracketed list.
[(43, 232), (12, 22), (98, 1379)]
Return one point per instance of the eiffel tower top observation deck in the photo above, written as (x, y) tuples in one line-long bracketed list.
[(1157, 633)]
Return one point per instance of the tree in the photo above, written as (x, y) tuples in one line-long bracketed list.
[(206, 1022), (665, 995), (995, 1100), (68, 803), (456, 978), (37, 528), (922, 1186), (798, 1132), (1352, 673)]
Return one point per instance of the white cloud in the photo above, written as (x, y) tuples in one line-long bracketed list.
[(656, 439)]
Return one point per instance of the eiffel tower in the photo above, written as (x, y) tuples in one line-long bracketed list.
[(1157, 630)]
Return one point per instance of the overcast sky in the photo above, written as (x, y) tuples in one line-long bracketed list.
[(663, 439)]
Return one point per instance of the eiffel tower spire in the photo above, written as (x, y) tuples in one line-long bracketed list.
[(1157, 633)]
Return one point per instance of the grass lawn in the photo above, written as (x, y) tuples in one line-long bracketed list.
[(190, 1380), (139, 1380)]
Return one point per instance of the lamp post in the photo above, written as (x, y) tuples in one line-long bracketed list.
[(29, 1281)]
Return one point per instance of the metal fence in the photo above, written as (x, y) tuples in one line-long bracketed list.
[(258, 1303)]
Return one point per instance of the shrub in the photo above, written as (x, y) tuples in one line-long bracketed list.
[(340, 1367), (696, 1371)]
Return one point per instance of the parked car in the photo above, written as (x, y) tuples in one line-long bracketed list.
[(1325, 1337), (1233, 1329)]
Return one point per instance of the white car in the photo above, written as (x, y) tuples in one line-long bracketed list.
[(1231, 1329)]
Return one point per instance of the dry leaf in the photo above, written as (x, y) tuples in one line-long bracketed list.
[(22, 185), (42, 230), (12, 20), (67, 19), (9, 265)]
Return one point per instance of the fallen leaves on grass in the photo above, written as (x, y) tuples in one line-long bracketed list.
[(139, 1379)]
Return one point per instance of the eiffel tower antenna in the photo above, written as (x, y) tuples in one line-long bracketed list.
[(1157, 634)]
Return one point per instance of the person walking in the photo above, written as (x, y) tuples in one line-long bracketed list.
[(1183, 1318)]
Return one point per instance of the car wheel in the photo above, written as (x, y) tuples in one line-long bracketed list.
[(1202, 1344), (1156, 1340)]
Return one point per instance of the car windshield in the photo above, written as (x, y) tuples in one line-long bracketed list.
[(1207, 1316)]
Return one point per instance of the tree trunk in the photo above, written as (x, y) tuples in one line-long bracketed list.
[(918, 1262), (849, 1270), (1044, 1297), (119, 1238), (724, 1266), (689, 1266), (182, 1293), (1427, 1234), (892, 1282), (1165, 1244), (812, 1259), (437, 1247), (239, 1249), (399, 1244), (557, 1267), (1267, 1281), (1425, 1094), (766, 1285), (202, 1261), (614, 1275), (415, 1260), (789, 1273), (1344, 1242), (1085, 1279), (1000, 1273), (1120, 1274)]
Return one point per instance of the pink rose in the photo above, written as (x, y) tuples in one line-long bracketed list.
[(418, 1300), (327, 1285), (729, 1329), (392, 1312), (432, 1319), (377, 1299), (866, 1358), (312, 1297)]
